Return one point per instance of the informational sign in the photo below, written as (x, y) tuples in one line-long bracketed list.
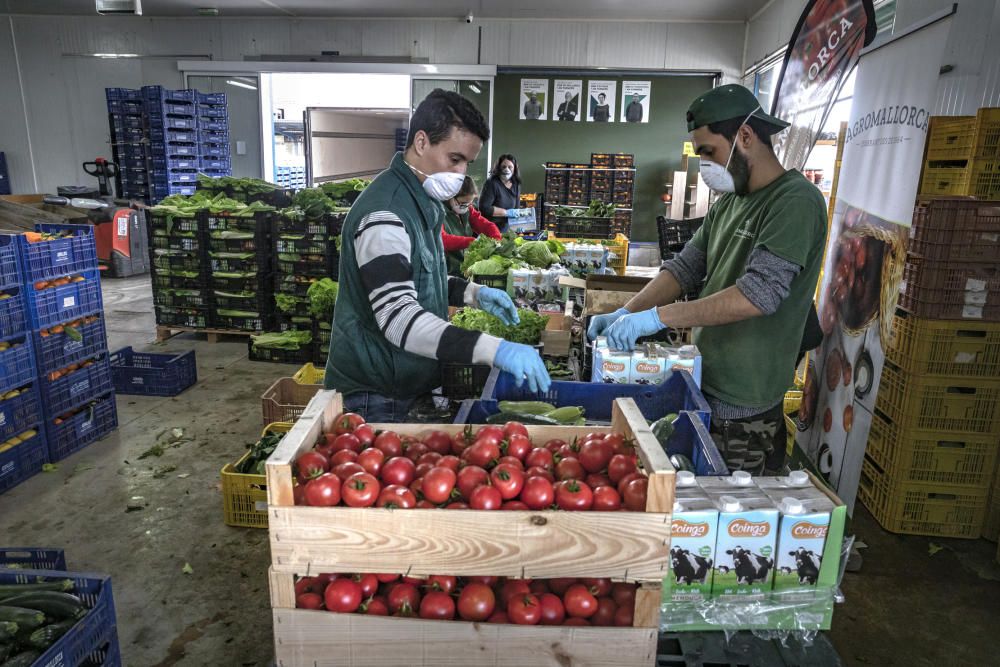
[(534, 99), (566, 98), (893, 97), (635, 101), (601, 104)]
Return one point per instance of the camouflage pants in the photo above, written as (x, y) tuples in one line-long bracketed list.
[(755, 444)]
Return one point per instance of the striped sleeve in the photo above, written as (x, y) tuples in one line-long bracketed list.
[(382, 248)]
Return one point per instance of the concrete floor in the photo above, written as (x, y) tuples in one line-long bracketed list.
[(907, 606)]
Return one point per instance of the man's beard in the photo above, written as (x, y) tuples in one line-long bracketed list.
[(740, 170)]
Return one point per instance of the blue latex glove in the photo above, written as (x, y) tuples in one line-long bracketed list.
[(598, 323), (497, 302), (523, 362), (623, 333)]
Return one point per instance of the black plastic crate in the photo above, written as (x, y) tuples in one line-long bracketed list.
[(462, 381), (674, 234), (329, 225), (259, 221), (174, 224), (238, 262), (177, 260), (588, 228), (293, 285), (187, 241), (245, 301), (258, 283), (189, 318), (179, 280), (237, 241), (255, 322), (280, 356), (317, 266), (182, 298), (310, 244)]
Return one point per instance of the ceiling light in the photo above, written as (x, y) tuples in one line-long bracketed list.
[(240, 84), (474, 88), (379, 113), (115, 55)]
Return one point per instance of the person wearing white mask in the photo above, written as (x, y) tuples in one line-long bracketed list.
[(759, 253), (502, 191), (390, 331)]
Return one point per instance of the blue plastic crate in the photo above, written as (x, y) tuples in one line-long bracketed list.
[(157, 135), (84, 427), (678, 392), (13, 319), (45, 260), (206, 136), (23, 460), (76, 389), (153, 374), (66, 302), (173, 150), (130, 135), (209, 151), (32, 558), (17, 364), (129, 107), (19, 413), (160, 123), (95, 635), (156, 93), (59, 350), (10, 270), (160, 191), (120, 121), (131, 94), (135, 152), (214, 111), (163, 163), (214, 124), (211, 98), (216, 164), (166, 176)]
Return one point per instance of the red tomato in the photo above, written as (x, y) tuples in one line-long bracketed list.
[(570, 469), (403, 599), (449, 462), (598, 587), (476, 602), (579, 602), (535, 471), (324, 491), (439, 582), (538, 587), (387, 578), (345, 470), (429, 457), (343, 456), (389, 443), (438, 484), (371, 460), (635, 495), (499, 616), (360, 489), (368, 583), (596, 480), (619, 445), (365, 435), (574, 495), (537, 493), (554, 445), (513, 587), (619, 466), (485, 498), (595, 455), (483, 453), (416, 581), (399, 470), (462, 440), (423, 469), (553, 611), (606, 499), (346, 441), (309, 601), (299, 494), (490, 431), (414, 450), (560, 585), (469, 478), (325, 444), (624, 481), (624, 617), (347, 422), (417, 486), (518, 446), (426, 505), (511, 460), (342, 595), (396, 497), (508, 480), (437, 606), (565, 452), (524, 610), (376, 606), (310, 585), (439, 442), (311, 464), (539, 457), (605, 614), (514, 428), (576, 621), (515, 505), (456, 506), (623, 594)]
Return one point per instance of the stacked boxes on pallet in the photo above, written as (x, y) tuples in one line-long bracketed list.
[(180, 270), (172, 133), (240, 273), (130, 151), (213, 134), (963, 156), (608, 179), (935, 434), (290, 177)]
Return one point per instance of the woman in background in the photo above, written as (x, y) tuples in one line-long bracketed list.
[(502, 191), (462, 224)]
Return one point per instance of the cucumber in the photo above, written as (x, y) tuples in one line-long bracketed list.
[(566, 415), (663, 428), (681, 462), (9, 590), (46, 636), (527, 419), (24, 659), (26, 619), (8, 630), (52, 603), (526, 407)]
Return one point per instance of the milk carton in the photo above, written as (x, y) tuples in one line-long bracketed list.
[(748, 531), (805, 522), (648, 367), (796, 484), (520, 282), (740, 483), (611, 366), (684, 358), (694, 527)]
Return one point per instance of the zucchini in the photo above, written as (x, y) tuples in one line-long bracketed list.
[(663, 428), (9, 590), (8, 630), (524, 418), (24, 659), (566, 415), (681, 462), (26, 619), (46, 636), (526, 407), (52, 603)]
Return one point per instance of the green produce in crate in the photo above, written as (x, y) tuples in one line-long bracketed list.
[(10, 590), (284, 340), (259, 453), (527, 331), (526, 407), (238, 313), (663, 428), (8, 630), (24, 659), (286, 303), (26, 619), (55, 604), (322, 296), (46, 636)]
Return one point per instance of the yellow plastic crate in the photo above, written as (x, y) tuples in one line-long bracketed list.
[(244, 496), (938, 181), (309, 374), (793, 399), (951, 137), (991, 525), (963, 348), (790, 430), (285, 400), (987, 140)]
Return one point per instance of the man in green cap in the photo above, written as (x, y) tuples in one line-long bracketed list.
[(759, 254)]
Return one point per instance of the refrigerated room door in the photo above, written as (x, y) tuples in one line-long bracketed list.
[(351, 143)]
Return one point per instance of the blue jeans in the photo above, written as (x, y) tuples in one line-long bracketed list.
[(378, 409)]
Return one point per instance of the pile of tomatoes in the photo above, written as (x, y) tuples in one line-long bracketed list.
[(494, 468), (481, 599)]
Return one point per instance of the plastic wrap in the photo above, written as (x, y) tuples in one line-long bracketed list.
[(801, 612)]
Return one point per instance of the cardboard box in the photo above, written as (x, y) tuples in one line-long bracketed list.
[(606, 294)]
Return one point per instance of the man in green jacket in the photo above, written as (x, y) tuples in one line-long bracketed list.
[(390, 330), (759, 253)]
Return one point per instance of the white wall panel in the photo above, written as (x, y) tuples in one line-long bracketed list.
[(562, 44), (455, 42), (13, 130), (706, 46), (318, 35), (636, 45), (254, 37), (414, 39), (496, 42)]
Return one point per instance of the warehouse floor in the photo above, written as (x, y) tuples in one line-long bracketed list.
[(916, 601)]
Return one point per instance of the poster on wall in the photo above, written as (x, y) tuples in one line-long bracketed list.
[(865, 255), (824, 49), (601, 101), (635, 101), (566, 94), (534, 99)]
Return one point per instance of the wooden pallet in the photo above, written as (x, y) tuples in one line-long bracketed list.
[(164, 333)]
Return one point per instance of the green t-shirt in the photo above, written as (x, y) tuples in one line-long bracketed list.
[(751, 363)]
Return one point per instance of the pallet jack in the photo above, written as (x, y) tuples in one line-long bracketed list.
[(119, 225)]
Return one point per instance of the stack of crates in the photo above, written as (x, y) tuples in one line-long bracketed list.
[(213, 134), (178, 258), (130, 150), (290, 177), (240, 271), (602, 177), (172, 134), (935, 434), (578, 185), (963, 156), (65, 312)]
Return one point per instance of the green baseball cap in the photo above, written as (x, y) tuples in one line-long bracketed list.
[(728, 102)]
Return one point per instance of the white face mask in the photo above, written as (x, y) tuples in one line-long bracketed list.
[(443, 185), (716, 176), (460, 209), (507, 173)]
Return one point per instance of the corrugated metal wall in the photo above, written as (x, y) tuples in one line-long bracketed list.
[(64, 95)]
